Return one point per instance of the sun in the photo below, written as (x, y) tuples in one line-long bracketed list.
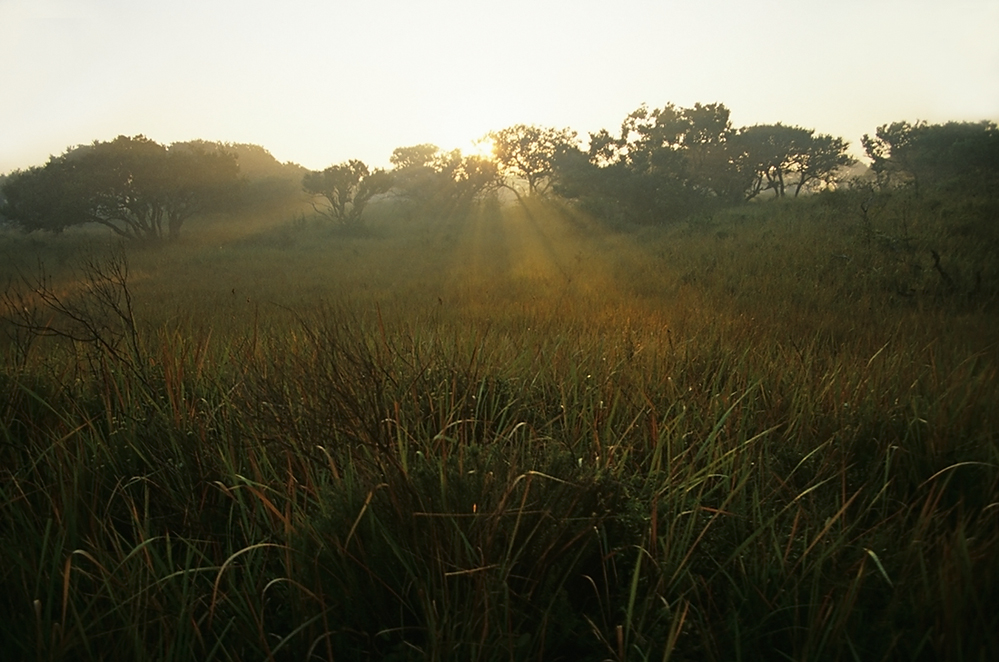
[(482, 148)]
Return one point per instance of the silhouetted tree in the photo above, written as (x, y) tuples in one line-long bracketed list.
[(415, 157), (132, 185), (345, 190), (711, 163), (671, 162), (889, 154), (467, 177), (527, 153), (775, 157), (666, 163), (688, 149), (442, 182), (267, 183), (415, 177), (955, 153)]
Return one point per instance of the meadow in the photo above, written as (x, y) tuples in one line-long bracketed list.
[(770, 432)]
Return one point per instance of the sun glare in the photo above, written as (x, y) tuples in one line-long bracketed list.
[(482, 148)]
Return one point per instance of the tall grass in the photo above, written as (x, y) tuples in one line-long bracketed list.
[(761, 435)]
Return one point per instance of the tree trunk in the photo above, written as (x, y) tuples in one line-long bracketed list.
[(173, 227)]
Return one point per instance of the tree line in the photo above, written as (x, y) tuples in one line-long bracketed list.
[(661, 164)]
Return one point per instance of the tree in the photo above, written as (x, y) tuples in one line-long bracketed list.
[(195, 182), (527, 153), (415, 157), (822, 161), (955, 153), (688, 149), (774, 157), (465, 178), (266, 184), (610, 190), (132, 185), (417, 176), (888, 151), (707, 144), (441, 182), (345, 190), (666, 163)]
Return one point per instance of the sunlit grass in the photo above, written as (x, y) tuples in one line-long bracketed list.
[(516, 435)]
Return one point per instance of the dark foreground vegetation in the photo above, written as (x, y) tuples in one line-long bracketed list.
[(767, 433), (556, 428)]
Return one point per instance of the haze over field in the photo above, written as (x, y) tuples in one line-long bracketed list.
[(318, 83)]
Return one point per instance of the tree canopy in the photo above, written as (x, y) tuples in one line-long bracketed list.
[(776, 157), (670, 162), (935, 154), (659, 164), (132, 185), (664, 163), (528, 153), (345, 189), (433, 180)]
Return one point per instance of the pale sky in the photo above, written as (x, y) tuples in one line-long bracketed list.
[(321, 82)]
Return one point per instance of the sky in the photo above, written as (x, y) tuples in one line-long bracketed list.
[(319, 82)]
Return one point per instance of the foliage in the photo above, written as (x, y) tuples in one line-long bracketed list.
[(665, 164), (441, 182), (132, 185), (670, 163), (528, 152), (345, 190), (776, 157), (266, 183), (965, 154)]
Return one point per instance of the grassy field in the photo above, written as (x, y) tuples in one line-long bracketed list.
[(769, 433)]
